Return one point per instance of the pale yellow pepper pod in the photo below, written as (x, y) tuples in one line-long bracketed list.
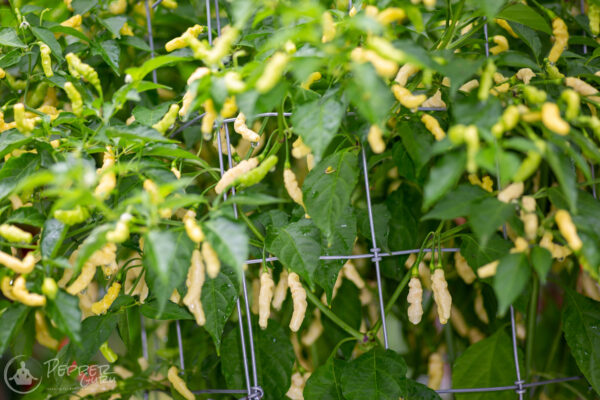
[(435, 371), (24, 125), (230, 176), (328, 27), (168, 119), (350, 273), (504, 25), (83, 280), (6, 288), (181, 41), (568, 230), (213, 265), (21, 294), (501, 45), (229, 107), (299, 300), (583, 88), (415, 300), (312, 78), (209, 118), (222, 45), (375, 139), (299, 149), (406, 98), (24, 266), (179, 384), (314, 330), (433, 126), (292, 187), (405, 72), (194, 283), (511, 192), (391, 14), (435, 101), (561, 38), (384, 67), (273, 72), (104, 304), (441, 295), (552, 120), (264, 298), (117, 7), (42, 335), (73, 22), (488, 270), (108, 180), (193, 230), (240, 127), (296, 389), (121, 231), (463, 269), (94, 388), (525, 75), (46, 60), (14, 234), (280, 290), (75, 97), (529, 217)]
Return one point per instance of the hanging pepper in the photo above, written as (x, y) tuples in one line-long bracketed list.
[(194, 282), (232, 174), (273, 72), (78, 69), (415, 300), (229, 108), (488, 270), (350, 273), (375, 139), (222, 45), (406, 98), (180, 42), (75, 97), (529, 166), (435, 371), (384, 67), (529, 217), (104, 304), (561, 38), (21, 294), (168, 119), (509, 120), (24, 266), (504, 25), (312, 78), (405, 72), (46, 61), (328, 27), (14, 234), (179, 384), (291, 185), (193, 230), (571, 98), (117, 7), (211, 259), (391, 14), (73, 216), (73, 22), (525, 75), (441, 295), (594, 17), (486, 81), (463, 269), (108, 353), (501, 45), (24, 125), (299, 299), (433, 126), (209, 118), (257, 174), (568, 230), (552, 120), (239, 125), (314, 331), (264, 298), (121, 231), (42, 335), (280, 290), (583, 88), (6, 288), (511, 192)]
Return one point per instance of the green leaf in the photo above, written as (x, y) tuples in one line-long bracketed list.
[(274, 360), (488, 363), (541, 259), (64, 312), (83, 6), (11, 321), (369, 94), (27, 216), (15, 170), (531, 38), (218, 299), (511, 278), (252, 199), (324, 382), (95, 241), (565, 174), (229, 240), (8, 60), (443, 176), (167, 256), (346, 305), (486, 216), (95, 330), (113, 24), (375, 375), (470, 111), (328, 187), (110, 53), (150, 116), (412, 390), (52, 233), (477, 254), (138, 73), (488, 7), (581, 325), (8, 37), (47, 37), (457, 203), (525, 15), (297, 246), (172, 311), (135, 42), (317, 122), (136, 132)]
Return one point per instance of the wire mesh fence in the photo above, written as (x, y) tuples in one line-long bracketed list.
[(253, 389)]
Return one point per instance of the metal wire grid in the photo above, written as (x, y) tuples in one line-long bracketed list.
[(253, 390)]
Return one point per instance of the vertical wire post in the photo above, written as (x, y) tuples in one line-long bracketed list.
[(375, 250)]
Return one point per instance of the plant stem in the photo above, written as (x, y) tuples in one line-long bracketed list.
[(251, 226), (331, 315), (393, 299), (531, 319), (455, 16)]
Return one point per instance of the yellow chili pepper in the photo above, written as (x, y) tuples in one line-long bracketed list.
[(22, 295), (73, 216), (222, 45), (194, 282), (179, 384), (168, 119), (78, 69), (264, 298), (73, 22), (561, 38), (406, 98), (504, 25), (568, 230), (14, 234), (6, 288), (209, 117), (375, 139), (291, 185), (391, 14), (552, 120), (501, 45), (328, 27), (46, 61), (104, 304), (75, 97), (299, 300), (211, 259), (24, 266), (229, 108), (24, 125), (42, 335), (384, 67), (433, 126), (192, 228), (312, 78), (273, 72), (117, 7)]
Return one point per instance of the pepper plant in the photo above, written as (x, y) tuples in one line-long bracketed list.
[(209, 166)]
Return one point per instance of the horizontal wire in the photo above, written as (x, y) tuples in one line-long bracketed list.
[(511, 387), (360, 256)]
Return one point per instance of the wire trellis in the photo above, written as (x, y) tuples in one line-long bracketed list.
[(253, 389)]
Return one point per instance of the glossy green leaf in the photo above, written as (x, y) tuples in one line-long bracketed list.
[(443, 176), (11, 321), (317, 122), (64, 312), (27, 216), (477, 254), (149, 116), (218, 300), (511, 278), (171, 311), (488, 363), (167, 256), (113, 24), (9, 38), (376, 375), (15, 170), (487, 216), (525, 15), (346, 305), (457, 203), (412, 390), (229, 240), (297, 246), (48, 37), (541, 260), (95, 330), (327, 189), (274, 360), (369, 94), (581, 325), (52, 234), (324, 382), (138, 73)]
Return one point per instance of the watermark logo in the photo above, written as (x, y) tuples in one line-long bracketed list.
[(22, 374)]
